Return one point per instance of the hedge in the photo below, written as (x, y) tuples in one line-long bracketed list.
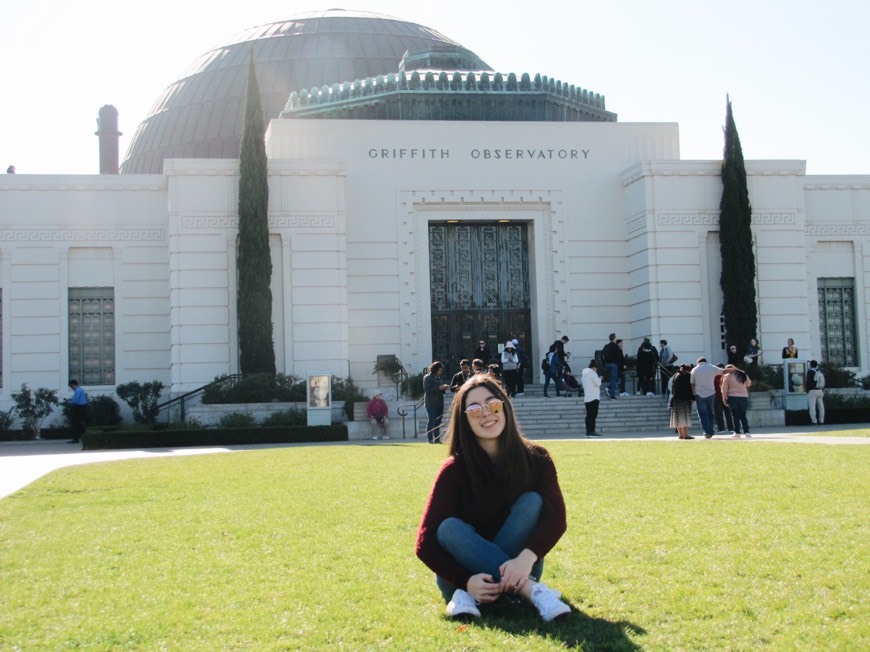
[(98, 440)]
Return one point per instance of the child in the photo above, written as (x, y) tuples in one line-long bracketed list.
[(495, 509)]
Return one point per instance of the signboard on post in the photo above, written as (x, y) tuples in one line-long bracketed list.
[(319, 399), (795, 384)]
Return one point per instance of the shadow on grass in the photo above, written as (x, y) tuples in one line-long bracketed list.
[(576, 630)]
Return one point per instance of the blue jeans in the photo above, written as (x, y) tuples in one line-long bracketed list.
[(706, 412), (479, 555), (552, 374), (433, 426), (613, 370), (739, 406)]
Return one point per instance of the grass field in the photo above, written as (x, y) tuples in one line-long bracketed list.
[(669, 547)]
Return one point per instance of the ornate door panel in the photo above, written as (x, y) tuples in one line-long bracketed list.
[(480, 288)]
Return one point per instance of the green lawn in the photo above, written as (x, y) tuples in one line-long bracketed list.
[(669, 547)]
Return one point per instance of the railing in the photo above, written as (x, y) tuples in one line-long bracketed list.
[(183, 399), (402, 411)]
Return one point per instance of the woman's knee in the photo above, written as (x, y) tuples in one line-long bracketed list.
[(451, 528), (529, 500)]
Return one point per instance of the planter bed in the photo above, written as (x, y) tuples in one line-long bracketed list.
[(832, 415)]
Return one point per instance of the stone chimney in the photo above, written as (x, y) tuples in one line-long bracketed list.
[(107, 131)]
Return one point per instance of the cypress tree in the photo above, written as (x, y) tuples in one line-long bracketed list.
[(254, 262), (735, 242)]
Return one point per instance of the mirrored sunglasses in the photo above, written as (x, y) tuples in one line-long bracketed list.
[(493, 406)]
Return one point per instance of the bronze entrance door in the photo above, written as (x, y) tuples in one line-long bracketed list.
[(479, 281)]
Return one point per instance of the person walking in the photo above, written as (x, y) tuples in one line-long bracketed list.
[(667, 358), (815, 395), (682, 397), (553, 372), (78, 411), (494, 512), (433, 393), (613, 360), (705, 393), (735, 394), (591, 382)]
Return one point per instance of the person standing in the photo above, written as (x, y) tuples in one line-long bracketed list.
[(734, 357), (789, 350), (724, 422), (78, 411), (481, 352), (815, 395), (377, 411), (667, 358), (591, 382), (735, 394), (613, 360), (753, 352), (433, 393), (460, 376), (495, 509), (681, 401), (705, 393), (647, 361), (510, 363), (521, 370)]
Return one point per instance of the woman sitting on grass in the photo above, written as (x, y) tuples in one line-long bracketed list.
[(495, 509)]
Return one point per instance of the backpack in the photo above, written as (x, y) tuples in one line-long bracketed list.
[(545, 363), (819, 380)]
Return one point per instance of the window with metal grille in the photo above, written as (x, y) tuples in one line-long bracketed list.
[(92, 335), (837, 321)]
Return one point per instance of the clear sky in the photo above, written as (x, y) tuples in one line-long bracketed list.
[(796, 70)]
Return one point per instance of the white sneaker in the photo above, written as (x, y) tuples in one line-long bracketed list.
[(736, 435), (748, 436), (547, 602), (462, 604), (650, 394)]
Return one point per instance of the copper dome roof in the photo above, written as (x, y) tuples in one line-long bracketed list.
[(200, 114)]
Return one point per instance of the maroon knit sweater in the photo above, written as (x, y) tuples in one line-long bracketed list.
[(487, 511)]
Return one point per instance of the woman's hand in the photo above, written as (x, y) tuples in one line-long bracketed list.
[(515, 572), (482, 588)]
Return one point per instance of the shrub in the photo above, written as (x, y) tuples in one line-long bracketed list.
[(254, 388), (865, 382), (845, 400), (104, 411), (7, 419), (287, 418), (344, 389), (142, 399), (838, 376), (771, 375), (237, 420), (34, 406), (412, 386)]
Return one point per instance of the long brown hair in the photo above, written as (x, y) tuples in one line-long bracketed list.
[(514, 459)]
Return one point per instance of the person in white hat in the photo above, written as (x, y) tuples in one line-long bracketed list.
[(510, 363), (377, 411)]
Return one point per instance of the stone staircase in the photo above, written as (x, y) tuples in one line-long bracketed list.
[(558, 417)]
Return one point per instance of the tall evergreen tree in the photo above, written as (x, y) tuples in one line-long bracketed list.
[(735, 242), (254, 262)]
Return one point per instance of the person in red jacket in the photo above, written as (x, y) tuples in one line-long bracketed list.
[(377, 411), (495, 509)]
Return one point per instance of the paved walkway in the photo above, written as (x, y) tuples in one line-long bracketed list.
[(23, 462)]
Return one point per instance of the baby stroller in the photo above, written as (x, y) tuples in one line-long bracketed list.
[(570, 384)]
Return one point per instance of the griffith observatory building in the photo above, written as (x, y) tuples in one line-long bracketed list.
[(419, 200)]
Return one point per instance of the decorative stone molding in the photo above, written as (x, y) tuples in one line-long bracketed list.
[(84, 235), (213, 222), (846, 230)]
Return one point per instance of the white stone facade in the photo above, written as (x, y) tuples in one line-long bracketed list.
[(622, 237)]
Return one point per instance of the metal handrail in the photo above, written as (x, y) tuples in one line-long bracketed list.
[(401, 411), (231, 380)]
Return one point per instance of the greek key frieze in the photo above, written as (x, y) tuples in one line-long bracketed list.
[(850, 230), (82, 235), (774, 219), (689, 219), (220, 222)]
